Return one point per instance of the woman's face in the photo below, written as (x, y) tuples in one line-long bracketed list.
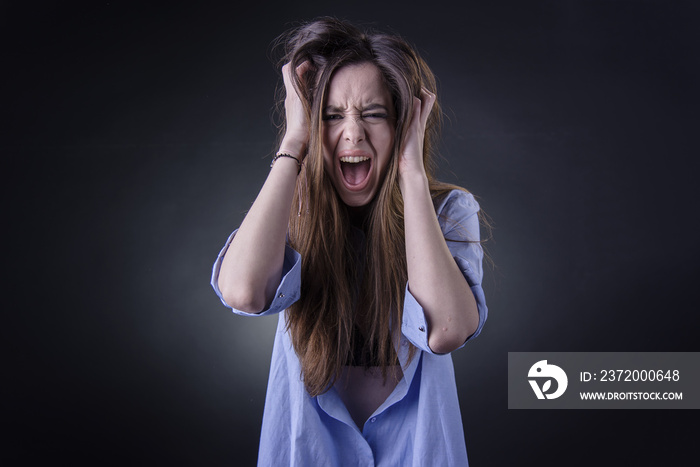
[(358, 132)]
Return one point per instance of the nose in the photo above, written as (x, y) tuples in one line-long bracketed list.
[(353, 131)]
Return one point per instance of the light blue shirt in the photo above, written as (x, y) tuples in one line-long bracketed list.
[(419, 424)]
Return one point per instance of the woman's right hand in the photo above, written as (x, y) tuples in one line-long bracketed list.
[(296, 137)]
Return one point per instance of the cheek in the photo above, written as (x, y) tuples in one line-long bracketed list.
[(329, 138), (386, 135), (390, 142)]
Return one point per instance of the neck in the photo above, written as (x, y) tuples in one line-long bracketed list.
[(358, 215)]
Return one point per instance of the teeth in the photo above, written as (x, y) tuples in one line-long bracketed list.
[(353, 159)]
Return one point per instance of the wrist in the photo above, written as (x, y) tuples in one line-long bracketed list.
[(413, 180), (294, 146), (282, 155), (285, 164)]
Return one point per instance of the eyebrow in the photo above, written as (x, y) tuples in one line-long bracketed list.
[(369, 108)]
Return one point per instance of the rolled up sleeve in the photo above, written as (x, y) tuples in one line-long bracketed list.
[(287, 292), (459, 221)]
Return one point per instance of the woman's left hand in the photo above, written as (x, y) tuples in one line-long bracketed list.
[(411, 158)]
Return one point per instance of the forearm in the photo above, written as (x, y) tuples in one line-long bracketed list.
[(434, 278), (252, 267)]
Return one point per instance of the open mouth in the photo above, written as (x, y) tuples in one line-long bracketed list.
[(355, 169)]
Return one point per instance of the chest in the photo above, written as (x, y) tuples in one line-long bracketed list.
[(363, 390)]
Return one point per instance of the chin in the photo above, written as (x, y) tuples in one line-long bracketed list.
[(357, 200)]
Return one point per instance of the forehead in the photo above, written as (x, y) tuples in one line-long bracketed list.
[(357, 85)]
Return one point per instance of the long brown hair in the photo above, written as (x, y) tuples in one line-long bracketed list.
[(343, 289)]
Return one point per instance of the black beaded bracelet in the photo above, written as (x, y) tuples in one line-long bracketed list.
[(285, 155)]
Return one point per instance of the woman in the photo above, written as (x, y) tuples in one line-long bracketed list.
[(375, 265)]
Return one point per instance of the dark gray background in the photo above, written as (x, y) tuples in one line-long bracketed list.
[(136, 135)]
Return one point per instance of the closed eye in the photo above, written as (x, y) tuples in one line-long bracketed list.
[(327, 117), (374, 115)]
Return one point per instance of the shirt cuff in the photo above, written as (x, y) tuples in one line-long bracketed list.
[(287, 292), (414, 325)]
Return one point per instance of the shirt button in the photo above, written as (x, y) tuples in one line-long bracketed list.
[(421, 328), (373, 419), (281, 295)]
